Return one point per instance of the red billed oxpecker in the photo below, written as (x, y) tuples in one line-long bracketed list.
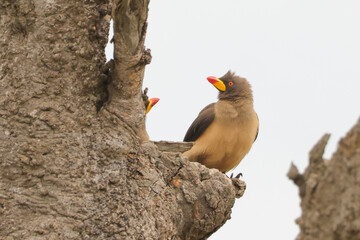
[(224, 131)]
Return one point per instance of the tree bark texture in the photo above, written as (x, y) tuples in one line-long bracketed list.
[(73, 165), (330, 191)]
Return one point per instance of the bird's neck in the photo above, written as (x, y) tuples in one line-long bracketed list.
[(234, 110), (240, 102), (243, 96)]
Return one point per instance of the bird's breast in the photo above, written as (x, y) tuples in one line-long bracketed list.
[(229, 138)]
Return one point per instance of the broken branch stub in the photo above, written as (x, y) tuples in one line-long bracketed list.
[(130, 57)]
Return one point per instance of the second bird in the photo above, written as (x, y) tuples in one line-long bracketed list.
[(224, 131)]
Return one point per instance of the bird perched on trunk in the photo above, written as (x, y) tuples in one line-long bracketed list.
[(149, 103), (224, 131)]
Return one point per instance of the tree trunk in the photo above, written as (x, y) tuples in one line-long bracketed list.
[(330, 191), (74, 164)]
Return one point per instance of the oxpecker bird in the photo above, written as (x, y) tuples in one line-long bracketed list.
[(224, 131), (149, 103)]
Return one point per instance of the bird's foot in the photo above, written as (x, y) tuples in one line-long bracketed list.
[(237, 176)]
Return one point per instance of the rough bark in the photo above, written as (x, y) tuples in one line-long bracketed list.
[(72, 162), (330, 191)]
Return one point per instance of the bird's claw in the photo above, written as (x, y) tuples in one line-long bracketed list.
[(237, 176)]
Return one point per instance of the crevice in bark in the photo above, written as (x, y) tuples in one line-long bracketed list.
[(107, 71), (110, 43)]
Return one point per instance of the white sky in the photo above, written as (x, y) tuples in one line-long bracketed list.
[(303, 61)]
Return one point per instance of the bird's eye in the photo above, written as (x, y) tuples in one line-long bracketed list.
[(231, 83)]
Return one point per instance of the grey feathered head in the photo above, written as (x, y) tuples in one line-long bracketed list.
[(231, 87)]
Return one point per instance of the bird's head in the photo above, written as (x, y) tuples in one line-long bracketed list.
[(150, 103), (231, 87)]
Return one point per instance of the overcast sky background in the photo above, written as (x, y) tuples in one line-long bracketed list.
[(303, 61)]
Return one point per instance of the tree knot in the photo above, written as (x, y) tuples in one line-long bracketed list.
[(239, 187), (146, 57)]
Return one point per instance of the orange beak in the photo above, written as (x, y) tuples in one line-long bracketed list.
[(217, 83), (152, 102)]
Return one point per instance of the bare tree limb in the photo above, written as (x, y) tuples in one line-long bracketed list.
[(166, 146), (329, 190), (130, 57)]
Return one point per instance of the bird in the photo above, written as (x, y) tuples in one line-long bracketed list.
[(148, 103), (225, 131)]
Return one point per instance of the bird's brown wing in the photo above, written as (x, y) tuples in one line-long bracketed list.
[(201, 123), (257, 132)]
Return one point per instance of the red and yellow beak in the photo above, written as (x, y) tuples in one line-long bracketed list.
[(217, 83), (152, 102)]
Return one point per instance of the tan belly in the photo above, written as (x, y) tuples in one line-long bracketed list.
[(223, 146)]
